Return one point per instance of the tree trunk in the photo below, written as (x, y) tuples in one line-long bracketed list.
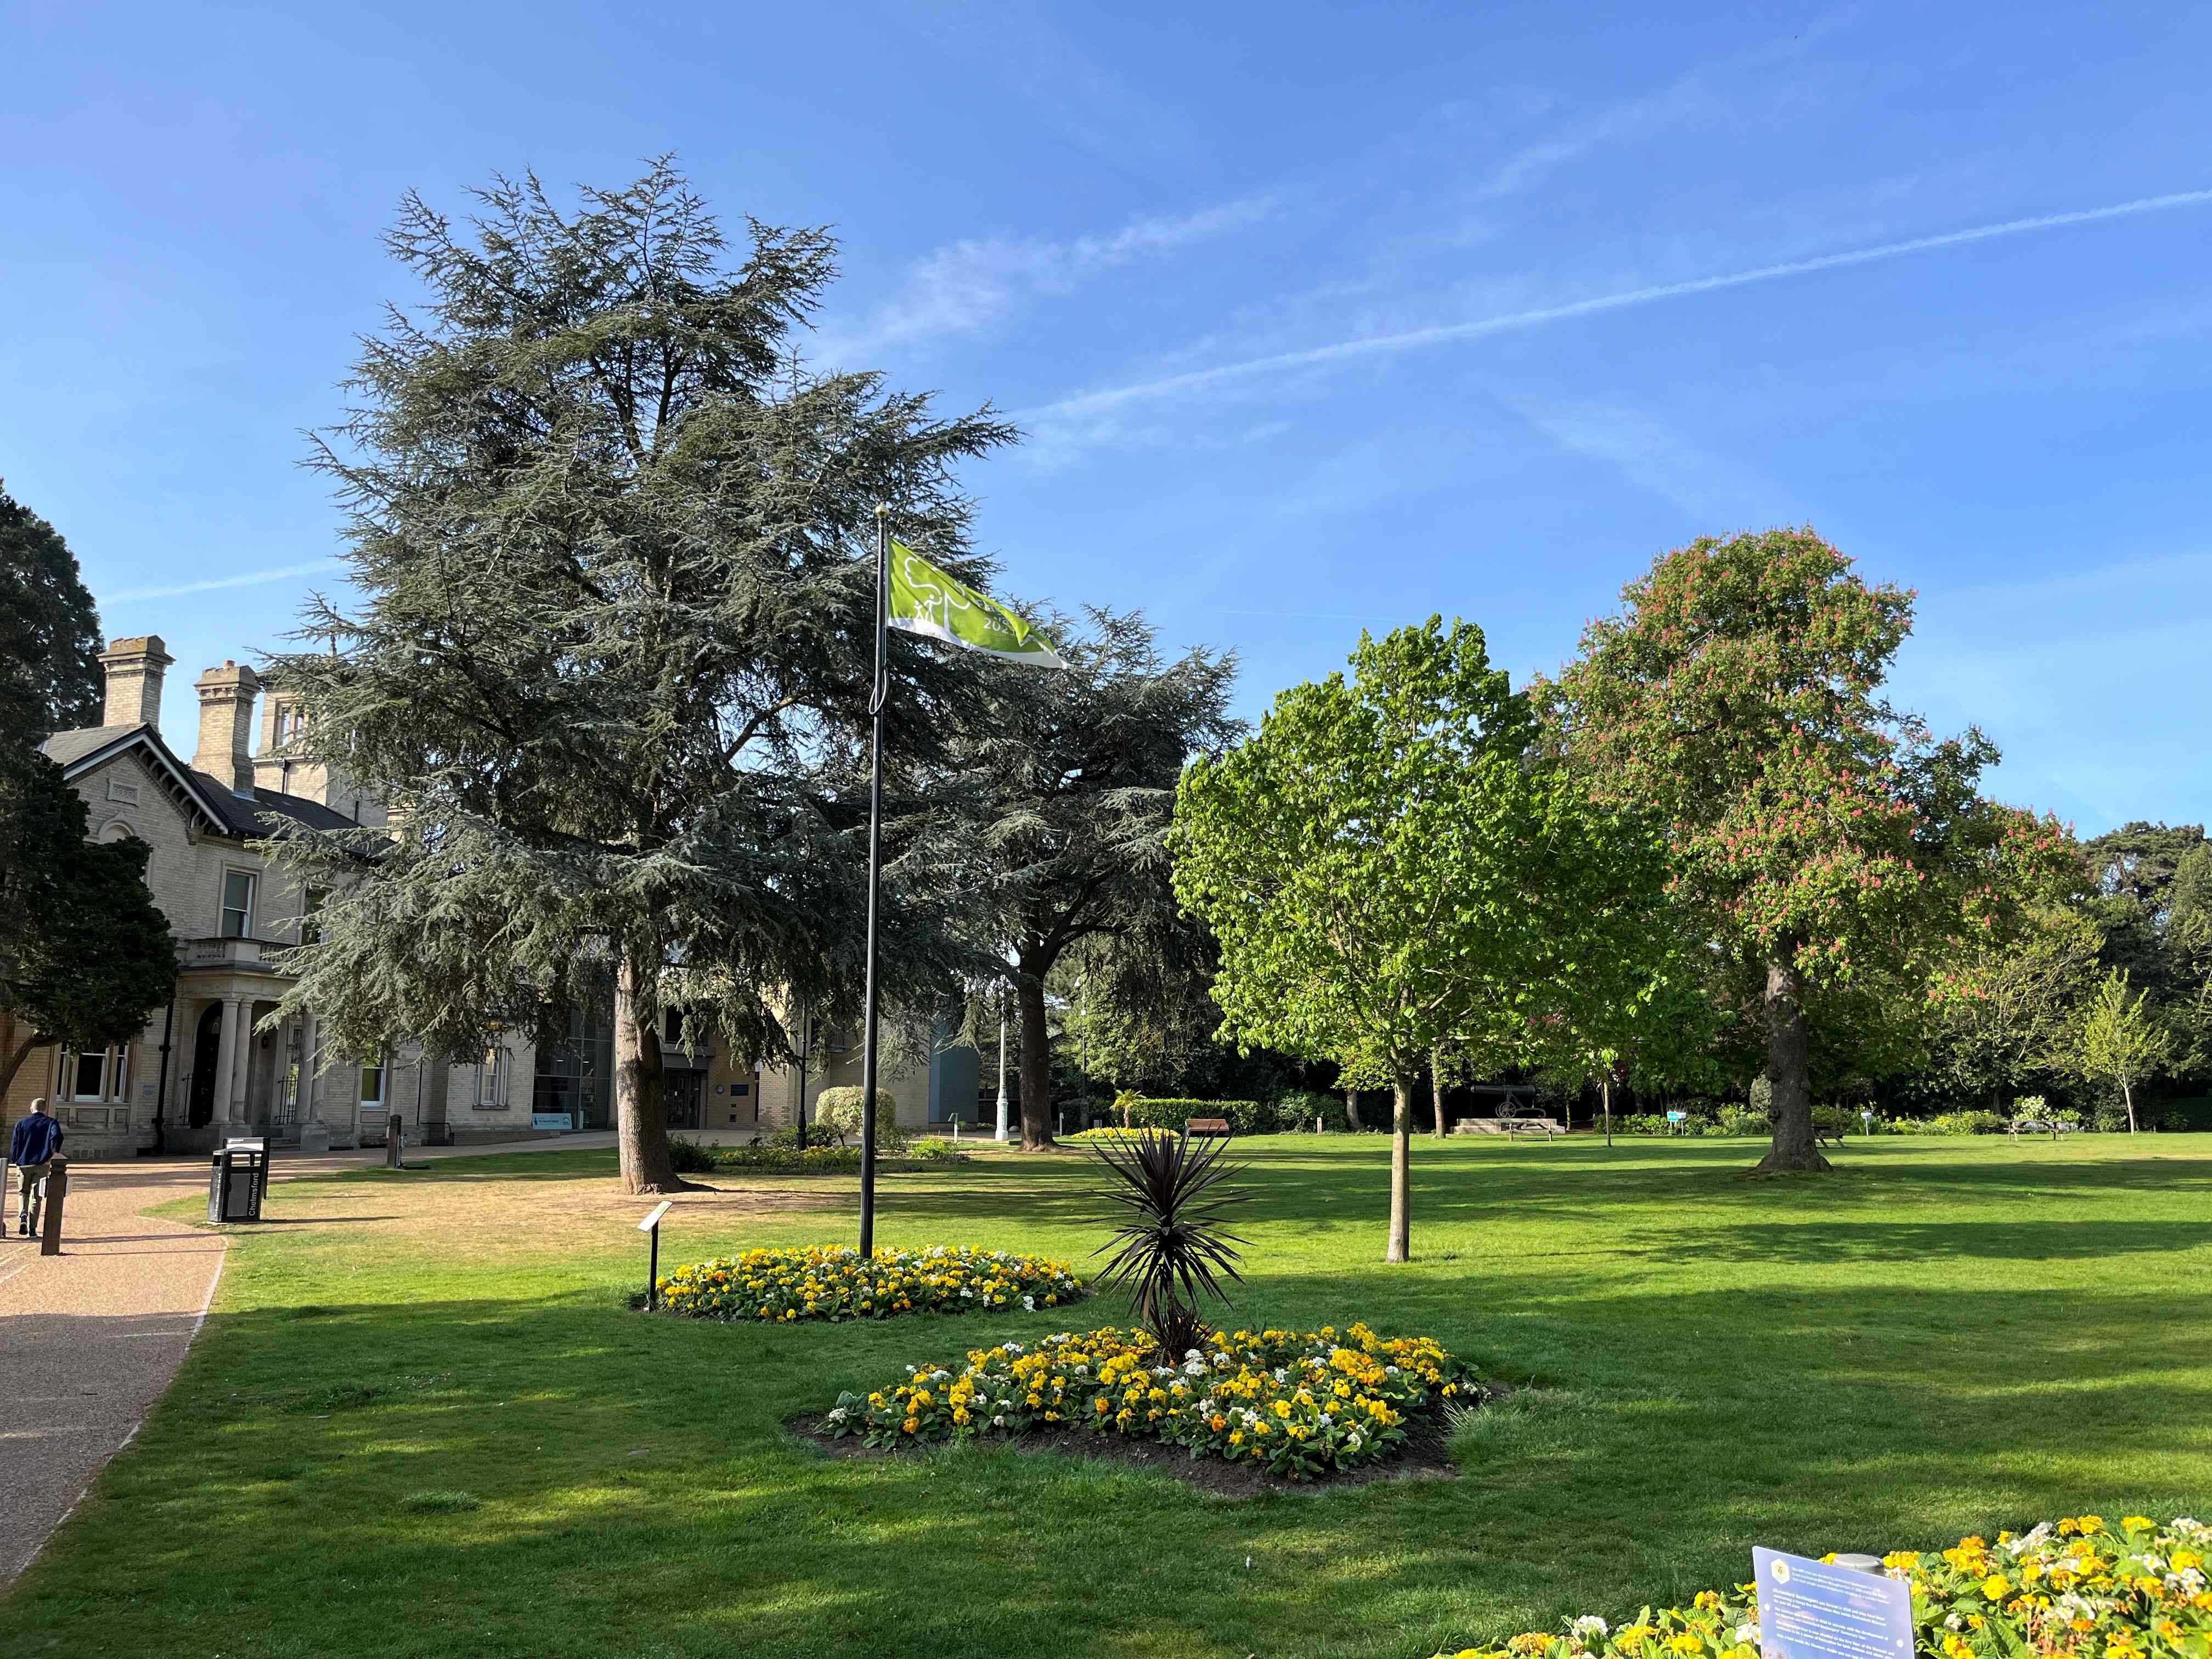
[(1037, 1059), (640, 1121), (1436, 1089), (1605, 1095), (1351, 1111), (1788, 1070), (1401, 1170), (2128, 1096)]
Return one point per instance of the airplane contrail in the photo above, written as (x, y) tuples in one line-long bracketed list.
[(1451, 333), (250, 579)]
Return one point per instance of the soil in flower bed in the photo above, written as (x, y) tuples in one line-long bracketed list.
[(1425, 1456)]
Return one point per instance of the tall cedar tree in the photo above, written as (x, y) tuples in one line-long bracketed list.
[(1393, 868), (1072, 778), (1821, 836), (614, 650)]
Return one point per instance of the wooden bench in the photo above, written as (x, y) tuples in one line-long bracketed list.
[(1208, 1125), (2036, 1125), (1534, 1126)]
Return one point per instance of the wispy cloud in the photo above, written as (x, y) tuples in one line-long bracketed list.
[(1650, 454), (247, 579), (1092, 404), (970, 286), (1068, 89)]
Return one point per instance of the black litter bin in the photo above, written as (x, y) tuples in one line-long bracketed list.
[(238, 1180)]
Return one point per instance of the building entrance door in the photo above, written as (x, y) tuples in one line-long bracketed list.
[(679, 1097), (207, 1054)]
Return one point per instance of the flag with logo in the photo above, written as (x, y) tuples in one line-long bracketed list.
[(925, 600)]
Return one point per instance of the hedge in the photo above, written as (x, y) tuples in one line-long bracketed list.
[(1246, 1117)]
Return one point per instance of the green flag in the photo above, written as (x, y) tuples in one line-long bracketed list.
[(925, 600)]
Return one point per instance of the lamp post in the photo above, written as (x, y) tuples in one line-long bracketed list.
[(1001, 1135)]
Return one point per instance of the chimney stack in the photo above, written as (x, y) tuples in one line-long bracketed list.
[(227, 726), (134, 670)]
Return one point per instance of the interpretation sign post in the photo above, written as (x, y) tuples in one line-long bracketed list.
[(1824, 1610), (651, 1225)]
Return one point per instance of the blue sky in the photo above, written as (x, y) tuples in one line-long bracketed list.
[(1316, 317)]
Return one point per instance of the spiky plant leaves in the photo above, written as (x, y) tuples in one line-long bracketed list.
[(1175, 1246)]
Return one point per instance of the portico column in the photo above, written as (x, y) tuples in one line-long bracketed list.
[(310, 1097), (314, 1133), (226, 1060)]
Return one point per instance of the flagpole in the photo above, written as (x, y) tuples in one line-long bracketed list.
[(876, 700)]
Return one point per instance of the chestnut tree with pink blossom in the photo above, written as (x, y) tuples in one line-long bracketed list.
[(1821, 838)]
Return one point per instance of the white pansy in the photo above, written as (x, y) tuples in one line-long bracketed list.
[(1590, 1624)]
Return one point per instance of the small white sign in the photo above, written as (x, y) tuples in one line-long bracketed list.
[(1678, 1117), (550, 1121), (653, 1220)]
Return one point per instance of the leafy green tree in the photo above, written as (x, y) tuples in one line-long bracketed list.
[(87, 957), (2189, 935), (1390, 867), (1820, 836), (1143, 1011), (2006, 1009), (615, 643), (2121, 1041), (49, 632), (2133, 873), (1069, 780)]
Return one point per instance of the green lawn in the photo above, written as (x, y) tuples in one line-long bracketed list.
[(422, 1422)]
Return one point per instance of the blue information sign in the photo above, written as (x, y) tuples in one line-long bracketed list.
[(1814, 1610)]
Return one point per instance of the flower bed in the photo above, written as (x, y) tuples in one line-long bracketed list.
[(2080, 1589), (1298, 1404), (815, 1283)]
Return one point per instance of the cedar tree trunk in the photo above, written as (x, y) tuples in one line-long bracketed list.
[(1789, 1069), (1351, 1111), (640, 1122), (1401, 1170), (1037, 1061), (1436, 1088)]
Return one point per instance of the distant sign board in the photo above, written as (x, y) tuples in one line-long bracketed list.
[(550, 1121), (1815, 1610), (1678, 1117)]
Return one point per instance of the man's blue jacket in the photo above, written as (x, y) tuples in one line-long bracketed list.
[(36, 1139)]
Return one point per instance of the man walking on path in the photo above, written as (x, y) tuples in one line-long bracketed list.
[(30, 1151)]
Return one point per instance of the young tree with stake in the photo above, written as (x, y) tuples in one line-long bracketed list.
[(2121, 1042), (1390, 867)]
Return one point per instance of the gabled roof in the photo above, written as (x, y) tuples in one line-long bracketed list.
[(226, 813)]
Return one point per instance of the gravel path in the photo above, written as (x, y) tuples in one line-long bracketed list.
[(91, 1338)]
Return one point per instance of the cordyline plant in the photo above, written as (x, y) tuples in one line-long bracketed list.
[(1176, 1244)]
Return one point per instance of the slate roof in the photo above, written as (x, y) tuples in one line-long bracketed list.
[(232, 813)]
